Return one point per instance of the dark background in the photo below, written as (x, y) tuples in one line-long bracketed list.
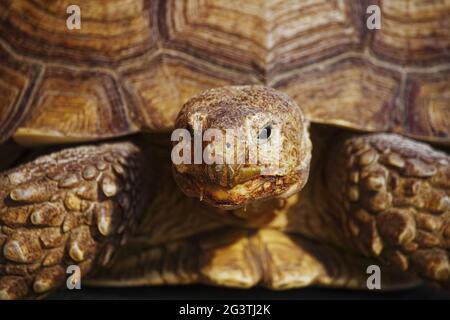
[(204, 292)]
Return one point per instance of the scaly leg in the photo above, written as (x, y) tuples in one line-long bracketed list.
[(392, 196), (72, 207)]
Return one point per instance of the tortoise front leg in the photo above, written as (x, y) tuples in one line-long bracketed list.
[(72, 207), (392, 196)]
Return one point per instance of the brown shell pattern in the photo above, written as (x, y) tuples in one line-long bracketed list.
[(134, 63)]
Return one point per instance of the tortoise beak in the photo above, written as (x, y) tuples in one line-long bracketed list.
[(228, 176)]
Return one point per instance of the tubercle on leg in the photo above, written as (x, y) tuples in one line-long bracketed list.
[(393, 196), (72, 207)]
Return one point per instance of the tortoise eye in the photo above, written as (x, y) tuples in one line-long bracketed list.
[(265, 133)]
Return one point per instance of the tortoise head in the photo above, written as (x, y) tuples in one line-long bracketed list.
[(236, 145)]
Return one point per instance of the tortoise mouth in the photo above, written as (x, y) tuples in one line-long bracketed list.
[(228, 177), (240, 194)]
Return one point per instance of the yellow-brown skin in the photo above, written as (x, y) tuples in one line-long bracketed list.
[(269, 243), (134, 64), (182, 240), (232, 185), (392, 198), (72, 207), (387, 196)]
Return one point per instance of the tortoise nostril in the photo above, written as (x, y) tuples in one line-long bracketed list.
[(228, 145)]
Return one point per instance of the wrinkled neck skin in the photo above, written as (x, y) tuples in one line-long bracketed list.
[(238, 186)]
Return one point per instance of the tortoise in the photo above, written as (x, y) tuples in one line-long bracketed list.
[(363, 116)]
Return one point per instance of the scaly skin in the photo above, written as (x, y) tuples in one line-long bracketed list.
[(134, 63), (51, 218), (239, 108), (268, 243), (243, 258), (393, 199), (182, 240), (72, 207), (390, 192)]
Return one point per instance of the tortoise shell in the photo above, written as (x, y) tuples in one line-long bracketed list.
[(132, 64)]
